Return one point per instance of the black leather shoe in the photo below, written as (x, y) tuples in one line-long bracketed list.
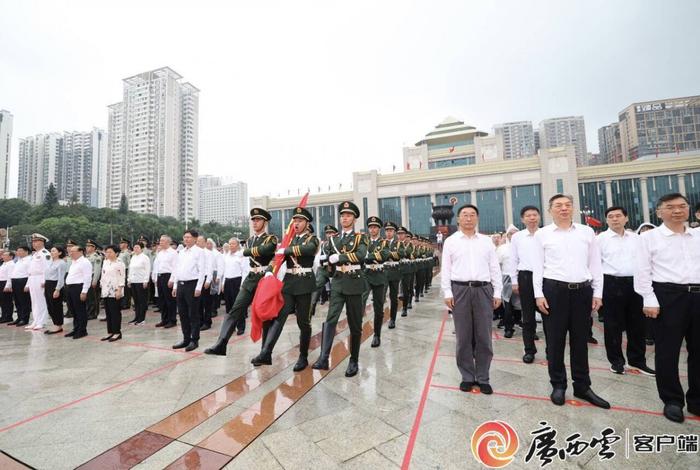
[(159, 324), (106, 338), (410, 306), (528, 358), (69, 335), (192, 346), (181, 344), (262, 359), (466, 386), (170, 325), (644, 369), (114, 338), (404, 313), (392, 324), (417, 299), (12, 323), (558, 396), (674, 413), (592, 340), (79, 335), (352, 369), (240, 332), (508, 333), (649, 342), (21, 323), (486, 389), (593, 399), (53, 332), (302, 363), (536, 337), (219, 349), (321, 364), (376, 341), (5, 320), (617, 369), (204, 327)]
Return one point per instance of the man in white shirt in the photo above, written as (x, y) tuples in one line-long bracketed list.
[(20, 290), (568, 284), (38, 263), (236, 266), (471, 284), (164, 267), (668, 279), (522, 249), (78, 282), (6, 307), (188, 282), (204, 312), (217, 259), (623, 306)]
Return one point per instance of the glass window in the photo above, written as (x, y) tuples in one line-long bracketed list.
[(365, 210), (491, 204), (692, 192), (287, 218), (275, 225), (627, 193), (560, 186), (521, 196), (326, 216), (443, 199), (657, 186), (593, 200), (419, 214), (390, 209), (461, 161)]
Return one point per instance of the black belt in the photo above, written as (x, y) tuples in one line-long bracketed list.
[(525, 271), (692, 288), (569, 285), (164, 274), (182, 283), (472, 283), (619, 278)]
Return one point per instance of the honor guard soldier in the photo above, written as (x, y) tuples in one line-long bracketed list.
[(391, 268), (125, 257), (93, 295), (298, 284), (37, 268), (377, 254), (323, 273), (260, 249), (420, 267), (406, 254), (347, 255)]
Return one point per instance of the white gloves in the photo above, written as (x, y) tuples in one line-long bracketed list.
[(280, 251), (323, 257), (334, 258), (268, 274)]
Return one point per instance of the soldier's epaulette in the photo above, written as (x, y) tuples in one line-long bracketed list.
[(271, 237)]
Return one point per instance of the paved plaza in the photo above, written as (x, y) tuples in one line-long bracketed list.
[(137, 403)]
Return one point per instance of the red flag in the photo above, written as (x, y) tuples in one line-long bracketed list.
[(593, 222), (268, 298)]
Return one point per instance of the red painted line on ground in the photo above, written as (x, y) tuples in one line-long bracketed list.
[(424, 396), (569, 402), (97, 393)]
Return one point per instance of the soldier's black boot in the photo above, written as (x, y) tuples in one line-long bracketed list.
[(273, 333), (378, 320), (219, 349), (353, 367), (266, 328), (302, 362), (326, 343)]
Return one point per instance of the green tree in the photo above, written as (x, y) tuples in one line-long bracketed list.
[(13, 211), (123, 205), (51, 197)]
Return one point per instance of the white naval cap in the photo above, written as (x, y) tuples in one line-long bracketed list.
[(38, 236)]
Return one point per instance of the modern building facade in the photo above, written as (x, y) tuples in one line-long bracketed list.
[(153, 145), (500, 188), (221, 201), (83, 168), (39, 159), (609, 144), (6, 119), (654, 128), (518, 139), (563, 131)]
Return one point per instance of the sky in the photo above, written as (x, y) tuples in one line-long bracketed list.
[(300, 94)]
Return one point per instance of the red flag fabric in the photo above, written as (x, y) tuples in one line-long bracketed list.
[(268, 299), (593, 222)]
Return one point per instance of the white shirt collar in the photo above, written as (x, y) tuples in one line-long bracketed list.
[(668, 232)]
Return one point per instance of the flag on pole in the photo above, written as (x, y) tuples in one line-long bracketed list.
[(593, 222), (268, 298)]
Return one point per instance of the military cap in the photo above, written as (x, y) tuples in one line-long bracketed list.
[(409, 234), (374, 220), (38, 236), (402, 229), (301, 213), (144, 239), (70, 242), (391, 225), (90, 242), (329, 228), (124, 240), (258, 213), (349, 207)]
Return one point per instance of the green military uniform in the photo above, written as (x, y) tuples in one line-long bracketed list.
[(420, 269), (260, 249), (392, 270), (323, 273), (93, 295), (348, 253), (125, 257), (406, 269), (298, 284), (377, 254)]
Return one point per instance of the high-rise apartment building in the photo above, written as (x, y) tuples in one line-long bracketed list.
[(222, 201), (5, 151), (518, 139), (570, 130)]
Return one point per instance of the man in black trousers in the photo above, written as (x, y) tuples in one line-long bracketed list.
[(568, 285), (20, 290), (78, 282), (188, 281), (163, 268)]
